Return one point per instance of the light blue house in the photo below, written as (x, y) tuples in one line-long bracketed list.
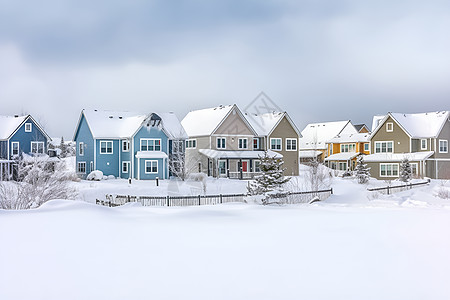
[(19, 135), (129, 145)]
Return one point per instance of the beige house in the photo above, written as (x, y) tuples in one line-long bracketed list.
[(277, 132), (221, 143), (421, 138)]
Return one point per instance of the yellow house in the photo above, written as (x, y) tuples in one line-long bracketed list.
[(343, 150)]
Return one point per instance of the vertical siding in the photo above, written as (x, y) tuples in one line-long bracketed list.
[(400, 138), (83, 134), (108, 163), (25, 138)]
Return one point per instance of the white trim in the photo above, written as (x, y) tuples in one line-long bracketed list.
[(253, 143), (112, 147), (127, 164), (391, 125), (349, 150), (291, 139), (91, 165), (37, 147), (281, 144), (127, 143), (192, 142), (95, 154), (421, 144), (30, 125), (151, 167), (368, 147), (417, 168), (218, 167), (392, 169), (81, 149), (254, 165), (375, 146), (225, 143), (446, 142), (239, 143), (154, 144), (78, 167), (12, 148)]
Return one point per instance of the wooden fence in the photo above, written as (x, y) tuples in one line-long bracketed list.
[(397, 188), (281, 198)]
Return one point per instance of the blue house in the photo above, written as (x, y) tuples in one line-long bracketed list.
[(129, 145), (19, 135)]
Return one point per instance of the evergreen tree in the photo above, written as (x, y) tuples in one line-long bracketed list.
[(63, 148), (271, 177), (361, 170), (405, 170)]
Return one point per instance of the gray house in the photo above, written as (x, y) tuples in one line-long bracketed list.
[(421, 138)]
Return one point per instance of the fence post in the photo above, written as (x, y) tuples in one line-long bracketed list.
[(168, 200), (199, 200), (220, 197), (388, 190), (331, 191)]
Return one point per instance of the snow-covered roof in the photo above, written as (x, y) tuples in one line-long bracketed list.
[(124, 124), (238, 154), (151, 154), (9, 124), (204, 121), (309, 153), (360, 126), (350, 138), (316, 135), (342, 156), (420, 125), (396, 157), (264, 123)]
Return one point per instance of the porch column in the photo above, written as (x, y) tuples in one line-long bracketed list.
[(228, 168), (240, 168)]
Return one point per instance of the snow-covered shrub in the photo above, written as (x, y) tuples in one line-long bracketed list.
[(317, 177), (40, 180), (95, 175), (199, 177), (362, 171), (443, 191)]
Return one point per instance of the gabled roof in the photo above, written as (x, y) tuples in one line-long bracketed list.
[(10, 124), (359, 127), (124, 124), (350, 138), (316, 135), (264, 124), (420, 125)]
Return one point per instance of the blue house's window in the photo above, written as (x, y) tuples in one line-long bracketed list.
[(37, 147), (27, 127), (151, 166), (125, 146), (150, 145), (106, 147), (81, 149), (15, 148), (81, 167), (125, 166)]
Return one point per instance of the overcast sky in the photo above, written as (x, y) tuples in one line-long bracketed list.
[(319, 60)]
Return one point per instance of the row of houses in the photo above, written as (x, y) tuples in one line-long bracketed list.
[(225, 141)]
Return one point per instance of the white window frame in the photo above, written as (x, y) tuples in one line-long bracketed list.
[(219, 168), (392, 170), (291, 147), (191, 144), (91, 166), (414, 168), (78, 167), (348, 150), (446, 146), (381, 147), (280, 144), (254, 165), (342, 163), (154, 144), (151, 166), (28, 127), (421, 144), (81, 149), (223, 143), (368, 147), (37, 147), (12, 148), (106, 147), (241, 140), (257, 143), (125, 146), (126, 167), (391, 125)]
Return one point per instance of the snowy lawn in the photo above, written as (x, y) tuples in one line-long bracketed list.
[(347, 247)]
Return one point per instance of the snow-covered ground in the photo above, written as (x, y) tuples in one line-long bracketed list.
[(351, 246)]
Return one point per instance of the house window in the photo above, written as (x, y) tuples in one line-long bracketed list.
[(257, 166), (37, 147), (384, 147), (415, 169), (221, 143), (389, 127), (81, 149), (255, 143), (389, 170), (27, 127), (291, 145), (191, 144), (423, 144), (443, 146), (106, 147), (348, 147), (222, 167), (275, 144), (81, 167), (15, 148), (177, 147), (151, 166), (150, 144), (125, 146), (342, 166), (242, 143), (366, 146), (125, 166), (91, 166)]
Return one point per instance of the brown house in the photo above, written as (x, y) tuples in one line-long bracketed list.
[(344, 149), (421, 138)]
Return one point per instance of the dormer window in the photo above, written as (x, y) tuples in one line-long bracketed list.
[(389, 127), (27, 127)]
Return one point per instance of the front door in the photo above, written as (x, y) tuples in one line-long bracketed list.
[(244, 165), (222, 168)]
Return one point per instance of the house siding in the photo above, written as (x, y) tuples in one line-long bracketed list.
[(84, 135), (4, 150), (233, 125), (108, 163), (284, 130), (25, 138), (401, 139), (444, 135)]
